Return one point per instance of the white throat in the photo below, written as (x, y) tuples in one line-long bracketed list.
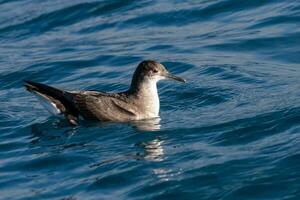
[(151, 98)]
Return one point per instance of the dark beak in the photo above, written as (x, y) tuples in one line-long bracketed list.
[(176, 78)]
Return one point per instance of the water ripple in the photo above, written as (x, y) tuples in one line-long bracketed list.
[(231, 132)]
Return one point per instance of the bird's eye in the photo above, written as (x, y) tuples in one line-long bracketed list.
[(155, 70)]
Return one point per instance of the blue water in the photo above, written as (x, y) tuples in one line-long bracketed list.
[(232, 132)]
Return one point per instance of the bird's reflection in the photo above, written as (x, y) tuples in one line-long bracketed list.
[(61, 134), (147, 124), (153, 150)]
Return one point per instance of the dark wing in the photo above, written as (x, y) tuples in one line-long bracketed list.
[(104, 106)]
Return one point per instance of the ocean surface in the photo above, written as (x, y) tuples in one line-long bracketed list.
[(232, 132)]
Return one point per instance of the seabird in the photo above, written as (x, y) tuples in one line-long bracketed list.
[(140, 101)]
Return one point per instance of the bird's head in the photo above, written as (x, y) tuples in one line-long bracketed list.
[(154, 71)]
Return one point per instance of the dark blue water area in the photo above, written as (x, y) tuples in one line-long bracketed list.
[(232, 132)]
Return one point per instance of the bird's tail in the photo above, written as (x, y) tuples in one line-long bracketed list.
[(54, 100)]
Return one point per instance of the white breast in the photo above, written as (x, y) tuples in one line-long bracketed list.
[(151, 99)]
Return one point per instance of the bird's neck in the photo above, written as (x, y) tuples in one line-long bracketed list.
[(144, 87), (146, 91)]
